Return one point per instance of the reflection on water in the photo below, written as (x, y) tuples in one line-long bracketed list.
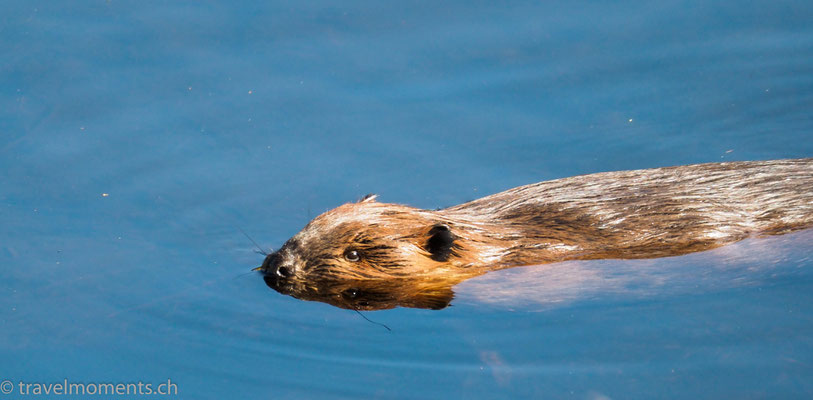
[(544, 286), (371, 294), (743, 264)]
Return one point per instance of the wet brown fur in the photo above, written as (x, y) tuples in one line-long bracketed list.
[(626, 214)]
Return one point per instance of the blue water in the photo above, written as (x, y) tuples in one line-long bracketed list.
[(137, 137)]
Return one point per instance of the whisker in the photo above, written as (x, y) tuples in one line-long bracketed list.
[(261, 251), (246, 273), (370, 321)]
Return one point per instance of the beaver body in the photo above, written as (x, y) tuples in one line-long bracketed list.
[(627, 214)]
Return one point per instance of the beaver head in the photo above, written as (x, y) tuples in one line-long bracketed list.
[(367, 240), (371, 255)]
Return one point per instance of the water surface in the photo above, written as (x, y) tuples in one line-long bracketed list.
[(137, 137)]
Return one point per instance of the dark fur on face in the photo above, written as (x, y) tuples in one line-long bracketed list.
[(627, 214)]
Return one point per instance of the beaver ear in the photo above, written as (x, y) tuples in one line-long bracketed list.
[(440, 243), (368, 198)]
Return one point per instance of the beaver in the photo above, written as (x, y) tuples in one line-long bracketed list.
[(624, 215)]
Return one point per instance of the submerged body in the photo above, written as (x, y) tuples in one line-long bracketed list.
[(627, 214)]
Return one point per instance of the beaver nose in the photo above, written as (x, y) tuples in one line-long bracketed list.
[(273, 266)]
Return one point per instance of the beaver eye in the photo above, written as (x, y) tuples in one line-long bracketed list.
[(352, 255)]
